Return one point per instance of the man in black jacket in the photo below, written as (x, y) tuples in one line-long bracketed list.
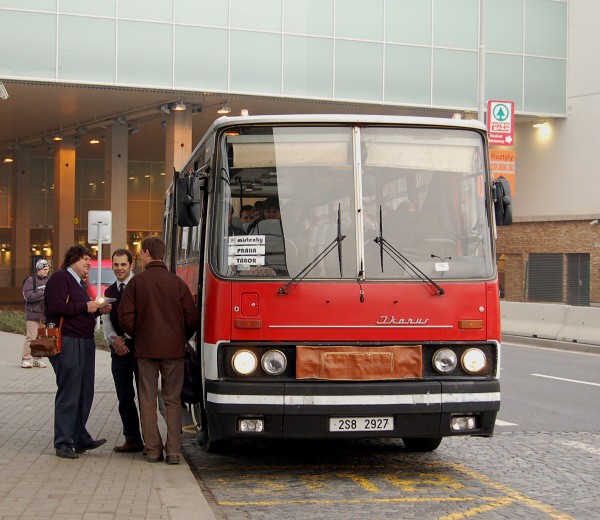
[(124, 366)]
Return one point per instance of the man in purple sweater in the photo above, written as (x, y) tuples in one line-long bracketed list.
[(66, 297)]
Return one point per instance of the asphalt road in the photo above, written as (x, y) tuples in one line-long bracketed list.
[(549, 390), (544, 464)]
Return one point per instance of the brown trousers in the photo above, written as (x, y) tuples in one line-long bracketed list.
[(171, 381)]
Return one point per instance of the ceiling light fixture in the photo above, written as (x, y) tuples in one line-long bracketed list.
[(57, 137), (122, 120), (165, 109), (133, 130), (94, 140), (3, 92), (224, 109), (179, 106), (540, 125), (7, 159), (244, 112)]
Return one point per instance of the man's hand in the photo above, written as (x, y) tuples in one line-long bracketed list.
[(93, 306), (105, 309), (118, 345)]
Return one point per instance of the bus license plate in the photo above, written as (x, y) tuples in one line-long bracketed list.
[(360, 424)]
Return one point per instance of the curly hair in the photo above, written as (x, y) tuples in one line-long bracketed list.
[(74, 254)]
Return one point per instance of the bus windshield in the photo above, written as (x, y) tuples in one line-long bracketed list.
[(284, 194)]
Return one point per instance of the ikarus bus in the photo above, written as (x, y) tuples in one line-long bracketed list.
[(359, 296)]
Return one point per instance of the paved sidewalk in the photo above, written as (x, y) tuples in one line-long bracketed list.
[(34, 483)]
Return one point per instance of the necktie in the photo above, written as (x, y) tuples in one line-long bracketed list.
[(82, 283), (121, 289)]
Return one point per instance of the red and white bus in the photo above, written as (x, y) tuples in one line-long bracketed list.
[(364, 302)]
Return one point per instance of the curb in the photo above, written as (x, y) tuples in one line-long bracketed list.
[(569, 346)]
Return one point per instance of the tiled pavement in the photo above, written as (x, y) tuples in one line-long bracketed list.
[(101, 484)]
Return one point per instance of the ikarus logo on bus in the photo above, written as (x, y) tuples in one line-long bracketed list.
[(392, 320)]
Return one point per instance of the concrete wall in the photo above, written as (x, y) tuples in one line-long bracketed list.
[(551, 321)]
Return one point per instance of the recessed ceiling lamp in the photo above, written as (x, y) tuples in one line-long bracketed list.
[(224, 109), (7, 159), (179, 106), (57, 137), (94, 140), (543, 124), (3, 91)]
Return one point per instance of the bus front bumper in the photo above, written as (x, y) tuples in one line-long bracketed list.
[(301, 410)]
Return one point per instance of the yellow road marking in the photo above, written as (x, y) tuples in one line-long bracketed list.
[(318, 483), (364, 482), (352, 501), (190, 428), (314, 482), (410, 485), (511, 493), (481, 509)]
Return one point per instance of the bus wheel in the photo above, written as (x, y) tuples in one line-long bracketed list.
[(211, 446), (421, 444)]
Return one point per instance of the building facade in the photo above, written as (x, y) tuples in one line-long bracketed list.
[(115, 71)]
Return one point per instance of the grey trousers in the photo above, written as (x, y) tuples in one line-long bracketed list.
[(74, 368)]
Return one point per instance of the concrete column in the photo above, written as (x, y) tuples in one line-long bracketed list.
[(115, 185), (64, 200), (20, 238), (178, 142)]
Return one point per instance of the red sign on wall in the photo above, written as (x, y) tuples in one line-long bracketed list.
[(501, 122)]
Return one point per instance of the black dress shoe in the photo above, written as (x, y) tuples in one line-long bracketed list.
[(90, 446), (66, 452)]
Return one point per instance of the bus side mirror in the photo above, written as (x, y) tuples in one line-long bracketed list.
[(188, 201), (502, 202)]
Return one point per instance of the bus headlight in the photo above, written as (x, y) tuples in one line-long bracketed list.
[(244, 362), (444, 361), (473, 360), (274, 362)]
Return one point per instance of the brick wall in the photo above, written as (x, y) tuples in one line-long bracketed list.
[(516, 242)]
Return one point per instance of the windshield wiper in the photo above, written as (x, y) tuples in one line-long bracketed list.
[(337, 241), (398, 257)]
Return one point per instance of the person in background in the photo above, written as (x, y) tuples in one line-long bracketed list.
[(259, 214), (124, 366), (157, 309), (33, 292), (247, 216), (272, 210), (232, 228), (66, 296)]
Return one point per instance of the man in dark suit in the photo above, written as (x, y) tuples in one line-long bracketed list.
[(124, 366)]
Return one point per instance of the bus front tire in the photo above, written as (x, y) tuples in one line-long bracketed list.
[(211, 446), (421, 444)]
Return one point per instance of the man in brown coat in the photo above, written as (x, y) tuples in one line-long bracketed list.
[(158, 311)]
